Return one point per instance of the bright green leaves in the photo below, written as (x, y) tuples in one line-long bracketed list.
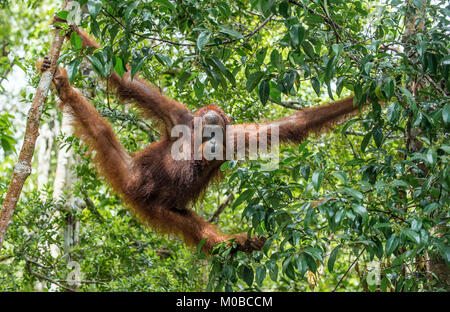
[(220, 68), (75, 41), (273, 270), (167, 4), (137, 64), (260, 274), (99, 67), (317, 178), (246, 273), (253, 80), (316, 85), (332, 258), (94, 7), (297, 34), (119, 66), (203, 39), (377, 134), (72, 68), (409, 234), (264, 91), (388, 88), (231, 32), (446, 113), (7, 141), (391, 245), (276, 60)]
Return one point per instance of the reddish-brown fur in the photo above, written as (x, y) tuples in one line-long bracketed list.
[(154, 185)]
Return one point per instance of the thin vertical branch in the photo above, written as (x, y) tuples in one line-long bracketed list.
[(22, 169)]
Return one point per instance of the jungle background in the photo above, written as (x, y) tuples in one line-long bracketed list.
[(383, 176)]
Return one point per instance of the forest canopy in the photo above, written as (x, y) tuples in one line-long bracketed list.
[(362, 207)]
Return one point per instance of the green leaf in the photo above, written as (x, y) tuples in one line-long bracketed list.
[(317, 178), (273, 269), (203, 39), (167, 4), (365, 141), (118, 67), (446, 113), (297, 34), (302, 264), (411, 235), (253, 80), (314, 252), (276, 59), (391, 245), (316, 85), (312, 265), (63, 15), (98, 66), (224, 8), (264, 91), (354, 193), (368, 67), (75, 41), (309, 49), (260, 273), (332, 258), (136, 65), (219, 65), (393, 112), (198, 89), (431, 157), (410, 99), (94, 7), (72, 69), (377, 134), (446, 60), (388, 88), (243, 197), (329, 71), (247, 274), (231, 32), (163, 59), (200, 245), (361, 210)]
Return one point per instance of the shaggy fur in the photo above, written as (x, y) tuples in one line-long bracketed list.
[(155, 186)]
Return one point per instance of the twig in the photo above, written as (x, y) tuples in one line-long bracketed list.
[(257, 29), (221, 208), (41, 276), (246, 36), (348, 270)]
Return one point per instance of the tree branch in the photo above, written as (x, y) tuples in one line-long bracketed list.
[(229, 41), (348, 270), (221, 208), (22, 169)]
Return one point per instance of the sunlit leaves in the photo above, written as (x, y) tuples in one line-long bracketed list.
[(72, 69), (317, 179), (253, 80), (203, 39), (297, 34), (94, 7)]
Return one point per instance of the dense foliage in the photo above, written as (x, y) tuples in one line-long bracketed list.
[(364, 207)]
